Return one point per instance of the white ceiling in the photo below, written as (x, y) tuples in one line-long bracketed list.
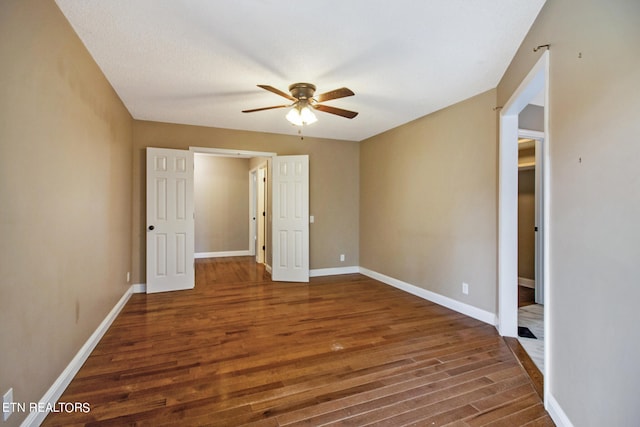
[(198, 61)]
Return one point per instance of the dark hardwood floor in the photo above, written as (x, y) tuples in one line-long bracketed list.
[(343, 350)]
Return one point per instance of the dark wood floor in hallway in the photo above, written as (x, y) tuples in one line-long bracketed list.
[(344, 350)]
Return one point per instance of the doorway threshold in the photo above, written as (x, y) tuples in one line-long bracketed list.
[(536, 377)]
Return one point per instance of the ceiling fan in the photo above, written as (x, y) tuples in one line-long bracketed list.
[(303, 101)]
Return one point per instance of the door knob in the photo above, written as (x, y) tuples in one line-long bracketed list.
[(151, 227)]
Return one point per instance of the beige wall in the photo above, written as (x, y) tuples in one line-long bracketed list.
[(334, 183), (256, 162), (428, 202), (531, 118), (526, 223), (221, 190), (594, 105), (526, 156), (65, 186)]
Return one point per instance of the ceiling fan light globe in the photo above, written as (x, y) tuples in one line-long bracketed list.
[(301, 116), (294, 117), (307, 116)]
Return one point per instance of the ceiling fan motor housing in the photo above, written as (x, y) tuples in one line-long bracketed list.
[(302, 90)]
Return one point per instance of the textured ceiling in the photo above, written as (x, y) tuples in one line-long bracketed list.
[(198, 61)]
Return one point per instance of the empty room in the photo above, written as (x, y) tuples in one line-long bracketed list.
[(271, 213)]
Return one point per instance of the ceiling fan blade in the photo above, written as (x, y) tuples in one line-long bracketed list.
[(277, 92), (265, 108), (338, 111), (343, 92)]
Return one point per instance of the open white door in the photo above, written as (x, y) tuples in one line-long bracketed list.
[(170, 224), (290, 219)]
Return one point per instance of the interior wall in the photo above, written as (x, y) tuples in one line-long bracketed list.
[(333, 186), (428, 202), (531, 118), (526, 223), (526, 156), (594, 102), (65, 186), (221, 194), (255, 162)]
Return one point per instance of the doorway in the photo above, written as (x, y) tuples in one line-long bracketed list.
[(245, 219), (535, 82), (530, 203), (288, 188)]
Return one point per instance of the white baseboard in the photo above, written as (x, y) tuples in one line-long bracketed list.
[(555, 411), (527, 283), (460, 307), (222, 254), (333, 271), (268, 268), (58, 387), (139, 288)]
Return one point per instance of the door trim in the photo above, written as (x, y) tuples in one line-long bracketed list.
[(223, 152), (536, 80), (241, 154), (539, 168)]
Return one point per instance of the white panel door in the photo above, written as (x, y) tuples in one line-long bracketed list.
[(290, 219), (170, 224)]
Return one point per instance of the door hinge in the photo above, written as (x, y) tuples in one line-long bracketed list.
[(263, 247), (264, 213), (264, 179)]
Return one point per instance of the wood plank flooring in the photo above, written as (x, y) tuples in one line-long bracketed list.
[(343, 350)]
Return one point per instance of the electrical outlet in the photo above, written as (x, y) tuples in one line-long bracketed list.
[(465, 288), (7, 404), (341, 257), (312, 219), (128, 276)]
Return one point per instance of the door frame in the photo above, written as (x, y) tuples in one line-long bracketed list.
[(534, 82), (239, 154), (539, 167)]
